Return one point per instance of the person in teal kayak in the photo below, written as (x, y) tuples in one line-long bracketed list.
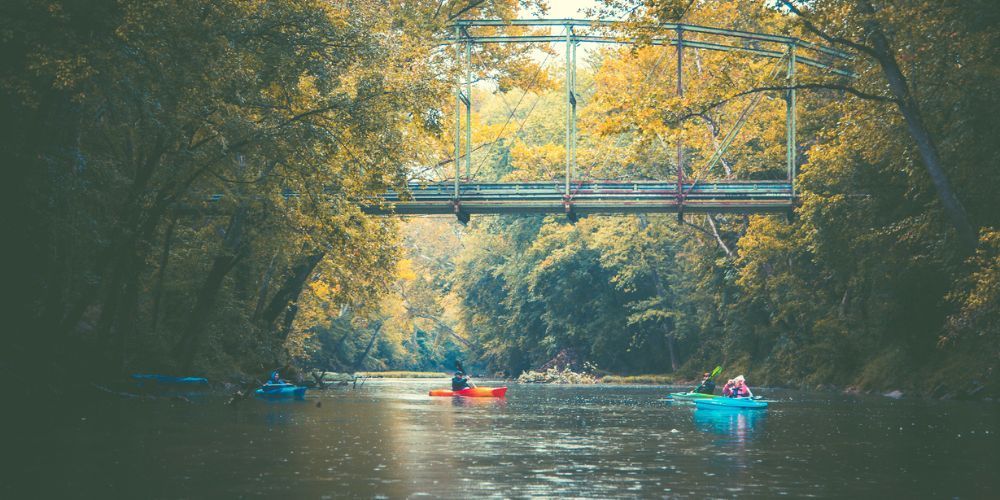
[(461, 381), (737, 388), (707, 386), (275, 378)]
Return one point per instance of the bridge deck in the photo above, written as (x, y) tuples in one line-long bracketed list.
[(598, 197)]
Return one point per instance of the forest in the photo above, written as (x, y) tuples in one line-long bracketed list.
[(187, 182)]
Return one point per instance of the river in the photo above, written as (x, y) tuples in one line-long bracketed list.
[(388, 439)]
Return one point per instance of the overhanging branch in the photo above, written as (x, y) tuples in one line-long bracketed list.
[(812, 28), (803, 86)]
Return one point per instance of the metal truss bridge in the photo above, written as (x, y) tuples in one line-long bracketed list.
[(605, 197), (573, 196)]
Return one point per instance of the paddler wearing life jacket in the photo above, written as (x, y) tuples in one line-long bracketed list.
[(460, 381), (707, 386), (737, 388)]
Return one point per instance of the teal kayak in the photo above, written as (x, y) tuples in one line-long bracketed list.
[(723, 403), (690, 396), (279, 391)]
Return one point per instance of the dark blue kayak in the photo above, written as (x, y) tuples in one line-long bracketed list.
[(168, 379), (279, 391)]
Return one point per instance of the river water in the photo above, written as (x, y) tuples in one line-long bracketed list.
[(389, 439)]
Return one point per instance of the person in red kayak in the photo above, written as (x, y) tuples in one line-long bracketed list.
[(461, 381)]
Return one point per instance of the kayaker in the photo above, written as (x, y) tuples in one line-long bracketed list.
[(727, 390), (740, 388), (460, 381), (707, 386), (275, 378)]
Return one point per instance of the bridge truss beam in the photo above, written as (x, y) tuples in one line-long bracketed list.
[(680, 36)]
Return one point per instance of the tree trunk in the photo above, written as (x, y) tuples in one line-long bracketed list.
[(234, 249), (286, 323), (335, 354), (290, 289), (662, 292), (125, 323), (265, 285), (671, 350), (168, 239), (910, 110), (371, 343), (718, 237)]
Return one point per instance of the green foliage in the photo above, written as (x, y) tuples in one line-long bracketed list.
[(193, 172)]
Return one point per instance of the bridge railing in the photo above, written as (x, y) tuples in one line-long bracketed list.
[(598, 197)]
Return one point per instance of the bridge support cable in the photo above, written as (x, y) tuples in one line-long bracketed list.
[(570, 107), (680, 126), (468, 107), (571, 141), (791, 147), (462, 99), (458, 115)]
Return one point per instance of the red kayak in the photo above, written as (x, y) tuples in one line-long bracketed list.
[(473, 392)]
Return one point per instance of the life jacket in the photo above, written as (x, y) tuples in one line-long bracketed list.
[(707, 387), (459, 383)]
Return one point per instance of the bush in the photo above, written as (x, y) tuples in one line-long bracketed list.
[(556, 376)]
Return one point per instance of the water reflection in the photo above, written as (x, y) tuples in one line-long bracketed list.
[(738, 424), (479, 402)]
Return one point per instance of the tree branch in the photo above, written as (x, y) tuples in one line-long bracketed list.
[(718, 238), (471, 5), (812, 28), (802, 86)]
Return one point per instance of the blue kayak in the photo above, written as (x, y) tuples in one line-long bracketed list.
[(168, 379), (725, 403), (279, 391)]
